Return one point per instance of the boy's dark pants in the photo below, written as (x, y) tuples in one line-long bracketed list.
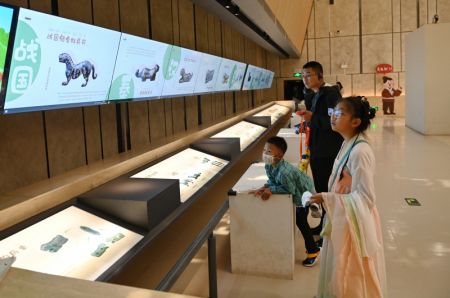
[(302, 223)]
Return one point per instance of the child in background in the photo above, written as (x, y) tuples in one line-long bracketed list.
[(352, 261), (285, 178)]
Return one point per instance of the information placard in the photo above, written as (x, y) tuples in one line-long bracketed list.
[(138, 72), (181, 71), (231, 75), (72, 243), (208, 73), (247, 133), (59, 63), (192, 167)]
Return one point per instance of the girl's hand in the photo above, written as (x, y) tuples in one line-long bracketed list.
[(266, 194), (317, 198)]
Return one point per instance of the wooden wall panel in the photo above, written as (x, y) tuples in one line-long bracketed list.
[(22, 153), (65, 140), (21, 3), (191, 112), (76, 10), (92, 133), (178, 112), (41, 5), (108, 124), (175, 22), (162, 30), (186, 24), (134, 20), (106, 14), (157, 120), (161, 20)]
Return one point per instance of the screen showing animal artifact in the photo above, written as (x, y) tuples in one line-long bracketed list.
[(247, 133), (139, 68), (230, 76), (191, 167), (208, 73), (59, 63), (6, 20), (72, 243), (257, 78), (275, 112), (180, 72)]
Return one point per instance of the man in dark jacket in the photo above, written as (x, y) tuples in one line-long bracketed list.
[(324, 143)]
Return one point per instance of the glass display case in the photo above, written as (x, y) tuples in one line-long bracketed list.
[(191, 167), (72, 243), (275, 112), (247, 133)]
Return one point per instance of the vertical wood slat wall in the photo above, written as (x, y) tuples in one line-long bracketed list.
[(39, 145)]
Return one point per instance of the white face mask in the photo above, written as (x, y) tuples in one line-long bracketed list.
[(267, 159)]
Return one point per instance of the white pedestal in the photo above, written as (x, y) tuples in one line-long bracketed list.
[(427, 66), (261, 232)]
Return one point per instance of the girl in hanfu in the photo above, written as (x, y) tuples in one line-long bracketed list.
[(352, 257)]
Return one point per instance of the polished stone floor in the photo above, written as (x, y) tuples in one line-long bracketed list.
[(417, 238)]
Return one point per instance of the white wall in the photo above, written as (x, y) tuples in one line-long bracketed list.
[(427, 68)]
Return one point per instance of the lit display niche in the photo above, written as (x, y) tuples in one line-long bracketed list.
[(247, 133), (72, 243), (193, 168), (275, 112)]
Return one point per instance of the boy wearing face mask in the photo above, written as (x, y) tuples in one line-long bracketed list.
[(285, 178)]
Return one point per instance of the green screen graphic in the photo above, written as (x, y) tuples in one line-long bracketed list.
[(6, 15), (25, 62)]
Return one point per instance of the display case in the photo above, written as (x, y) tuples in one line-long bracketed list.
[(191, 167), (275, 112), (71, 242), (247, 133)]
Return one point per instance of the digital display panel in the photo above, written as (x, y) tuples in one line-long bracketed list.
[(275, 112), (247, 133), (59, 63), (72, 243), (257, 78), (6, 22), (208, 73), (191, 167), (230, 76), (181, 71), (139, 68)]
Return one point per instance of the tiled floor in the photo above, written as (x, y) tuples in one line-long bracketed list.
[(417, 239)]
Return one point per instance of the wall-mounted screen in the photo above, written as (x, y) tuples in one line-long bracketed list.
[(275, 112), (138, 72), (208, 73), (247, 133), (71, 243), (181, 71), (6, 26), (257, 78), (191, 167), (231, 75), (59, 63)]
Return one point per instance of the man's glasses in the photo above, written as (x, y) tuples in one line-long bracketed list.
[(336, 112)]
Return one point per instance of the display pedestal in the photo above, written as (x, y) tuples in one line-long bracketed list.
[(261, 232), (140, 202), (260, 120), (225, 148)]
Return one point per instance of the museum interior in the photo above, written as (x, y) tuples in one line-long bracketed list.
[(188, 161)]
